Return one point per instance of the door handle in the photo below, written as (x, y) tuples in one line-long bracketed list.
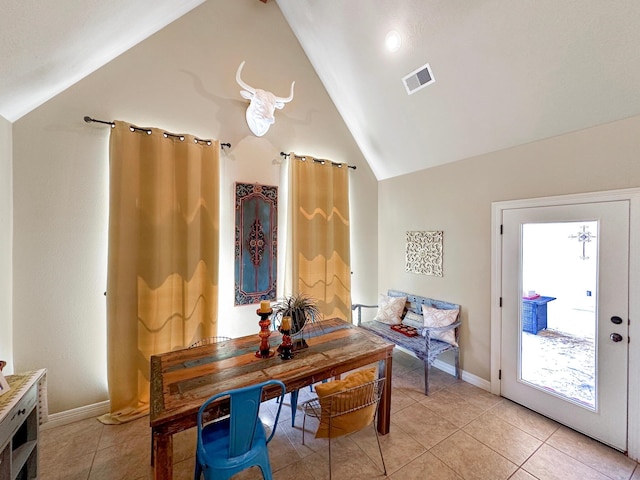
[(616, 337)]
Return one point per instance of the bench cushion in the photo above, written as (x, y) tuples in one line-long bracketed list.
[(390, 309), (414, 320), (435, 317), (349, 422)]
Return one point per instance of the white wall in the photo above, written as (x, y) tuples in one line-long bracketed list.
[(6, 242), (181, 79), (457, 198)]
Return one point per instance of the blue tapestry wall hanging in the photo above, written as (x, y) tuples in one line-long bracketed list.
[(256, 243)]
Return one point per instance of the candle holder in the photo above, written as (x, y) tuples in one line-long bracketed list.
[(264, 350), (285, 347)]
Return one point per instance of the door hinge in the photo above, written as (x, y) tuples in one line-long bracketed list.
[(501, 229), (500, 374), (500, 302)]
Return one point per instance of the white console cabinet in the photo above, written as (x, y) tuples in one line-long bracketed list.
[(19, 425)]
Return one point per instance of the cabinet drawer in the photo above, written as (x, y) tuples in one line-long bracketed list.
[(18, 414)]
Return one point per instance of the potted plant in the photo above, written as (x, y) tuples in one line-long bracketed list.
[(301, 308)]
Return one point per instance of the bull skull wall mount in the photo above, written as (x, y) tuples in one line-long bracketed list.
[(262, 105)]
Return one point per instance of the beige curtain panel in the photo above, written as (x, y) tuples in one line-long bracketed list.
[(320, 242), (162, 278)]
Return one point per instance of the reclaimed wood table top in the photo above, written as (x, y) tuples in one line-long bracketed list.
[(183, 379)]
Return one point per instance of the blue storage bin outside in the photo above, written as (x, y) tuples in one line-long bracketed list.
[(534, 314)]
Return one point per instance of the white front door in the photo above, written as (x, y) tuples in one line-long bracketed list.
[(565, 303)]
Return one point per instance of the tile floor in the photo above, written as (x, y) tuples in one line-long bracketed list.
[(458, 432)]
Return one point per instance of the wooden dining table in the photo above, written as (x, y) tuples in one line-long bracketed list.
[(183, 379)]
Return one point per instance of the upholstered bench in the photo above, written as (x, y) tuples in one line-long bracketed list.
[(429, 341)]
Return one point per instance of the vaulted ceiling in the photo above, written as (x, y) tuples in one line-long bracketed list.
[(506, 72), (45, 47)]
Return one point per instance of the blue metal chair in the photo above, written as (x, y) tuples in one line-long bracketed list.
[(237, 441)]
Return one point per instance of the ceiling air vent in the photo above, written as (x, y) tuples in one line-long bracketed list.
[(418, 79)]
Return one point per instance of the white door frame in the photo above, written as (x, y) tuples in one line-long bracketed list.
[(631, 194)]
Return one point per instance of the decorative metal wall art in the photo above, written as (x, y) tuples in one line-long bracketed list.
[(256, 243), (424, 253)]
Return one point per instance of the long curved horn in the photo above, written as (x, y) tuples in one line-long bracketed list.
[(241, 83), (289, 98)]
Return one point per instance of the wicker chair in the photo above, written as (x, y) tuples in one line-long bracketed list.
[(331, 407), (209, 340)]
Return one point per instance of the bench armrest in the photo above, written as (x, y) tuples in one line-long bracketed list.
[(360, 306)]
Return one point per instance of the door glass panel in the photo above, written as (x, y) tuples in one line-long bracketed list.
[(558, 309)]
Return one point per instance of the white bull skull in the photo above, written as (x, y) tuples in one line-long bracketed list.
[(263, 104)]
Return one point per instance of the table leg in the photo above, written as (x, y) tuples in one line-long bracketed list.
[(384, 410), (162, 455), (294, 407)]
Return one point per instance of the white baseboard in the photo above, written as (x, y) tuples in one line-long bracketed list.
[(76, 414), (451, 370), (466, 376)]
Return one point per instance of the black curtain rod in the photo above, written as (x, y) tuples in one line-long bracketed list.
[(88, 119), (317, 160)]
